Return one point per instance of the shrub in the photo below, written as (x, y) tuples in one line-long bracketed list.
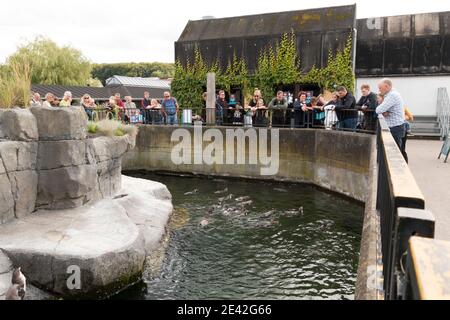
[(92, 127), (15, 84), (112, 128), (108, 127)]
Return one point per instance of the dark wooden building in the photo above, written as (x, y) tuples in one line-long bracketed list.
[(317, 31)]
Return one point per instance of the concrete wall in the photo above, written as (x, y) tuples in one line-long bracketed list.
[(338, 161), (419, 93)]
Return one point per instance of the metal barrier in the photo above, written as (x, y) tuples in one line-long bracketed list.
[(400, 204), (346, 120), (443, 112)]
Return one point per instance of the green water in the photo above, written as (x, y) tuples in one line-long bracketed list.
[(264, 240)]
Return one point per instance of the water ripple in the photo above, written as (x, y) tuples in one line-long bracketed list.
[(298, 245)]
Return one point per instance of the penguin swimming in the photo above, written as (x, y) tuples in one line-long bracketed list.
[(222, 191), (191, 192)]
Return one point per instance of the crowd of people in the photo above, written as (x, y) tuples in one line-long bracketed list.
[(340, 110)]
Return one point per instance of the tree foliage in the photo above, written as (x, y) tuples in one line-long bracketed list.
[(51, 64), (104, 71)]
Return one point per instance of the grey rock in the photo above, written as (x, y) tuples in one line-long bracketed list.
[(5, 284), (19, 125), (24, 189), (58, 154), (54, 124), (100, 239), (149, 205), (66, 187), (107, 148), (6, 268), (6, 200), (5, 264), (18, 156)]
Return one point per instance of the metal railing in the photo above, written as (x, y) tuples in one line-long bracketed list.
[(400, 204), (443, 112), (347, 120)]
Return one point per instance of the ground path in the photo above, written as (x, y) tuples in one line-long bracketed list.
[(433, 177)]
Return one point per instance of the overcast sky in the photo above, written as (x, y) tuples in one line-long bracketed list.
[(145, 31)]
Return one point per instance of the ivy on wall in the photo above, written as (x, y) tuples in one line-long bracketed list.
[(277, 65)]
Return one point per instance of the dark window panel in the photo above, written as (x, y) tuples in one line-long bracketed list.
[(427, 54), (398, 56), (369, 57)]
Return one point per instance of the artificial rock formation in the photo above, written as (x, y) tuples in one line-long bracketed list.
[(58, 206)]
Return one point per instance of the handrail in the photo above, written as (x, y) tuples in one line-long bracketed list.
[(443, 112), (401, 204), (428, 270)]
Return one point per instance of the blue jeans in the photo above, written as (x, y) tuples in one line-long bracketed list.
[(348, 123), (172, 119)]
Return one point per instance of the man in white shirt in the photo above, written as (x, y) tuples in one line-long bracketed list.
[(392, 110)]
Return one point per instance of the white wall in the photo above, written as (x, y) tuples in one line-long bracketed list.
[(419, 93)]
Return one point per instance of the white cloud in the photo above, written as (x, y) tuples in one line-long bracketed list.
[(132, 30)]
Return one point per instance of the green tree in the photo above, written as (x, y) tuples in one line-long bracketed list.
[(51, 64), (104, 71)]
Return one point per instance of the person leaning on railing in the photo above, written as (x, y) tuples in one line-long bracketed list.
[(67, 99), (301, 110), (35, 100), (392, 110), (49, 100), (131, 112), (88, 105), (367, 104), (277, 110), (145, 106), (170, 109), (155, 112), (345, 109), (318, 105), (221, 107)]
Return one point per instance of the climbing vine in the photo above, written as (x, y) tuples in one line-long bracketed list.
[(278, 64)]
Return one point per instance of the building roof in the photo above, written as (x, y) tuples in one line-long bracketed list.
[(153, 82), (302, 21), (98, 93)]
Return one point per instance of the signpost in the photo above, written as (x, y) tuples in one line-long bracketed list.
[(445, 149)]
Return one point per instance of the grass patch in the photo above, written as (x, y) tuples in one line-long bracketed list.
[(111, 128)]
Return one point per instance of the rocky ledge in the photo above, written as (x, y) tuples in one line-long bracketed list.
[(108, 240)]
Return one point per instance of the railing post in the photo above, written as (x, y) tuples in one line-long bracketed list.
[(211, 99), (409, 222)]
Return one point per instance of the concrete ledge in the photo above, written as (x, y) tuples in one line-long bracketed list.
[(369, 282)]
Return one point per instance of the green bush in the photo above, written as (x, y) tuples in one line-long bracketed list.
[(92, 127)]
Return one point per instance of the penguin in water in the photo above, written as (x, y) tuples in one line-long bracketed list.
[(19, 278), (205, 221), (15, 292)]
